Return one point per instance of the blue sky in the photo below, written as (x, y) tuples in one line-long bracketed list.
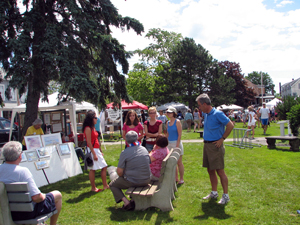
[(260, 35)]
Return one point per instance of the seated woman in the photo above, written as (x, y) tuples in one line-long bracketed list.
[(35, 129), (159, 152)]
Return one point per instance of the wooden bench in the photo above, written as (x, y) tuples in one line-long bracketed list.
[(16, 197), (160, 193), (201, 133), (293, 141)]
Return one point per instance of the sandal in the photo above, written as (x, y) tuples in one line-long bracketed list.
[(99, 190)]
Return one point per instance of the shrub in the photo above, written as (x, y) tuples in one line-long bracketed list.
[(294, 117), (285, 106)]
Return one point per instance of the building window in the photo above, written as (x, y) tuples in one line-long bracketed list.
[(2, 90), (13, 95), (295, 94), (299, 85)]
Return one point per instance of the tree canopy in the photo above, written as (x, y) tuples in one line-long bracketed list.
[(178, 69), (68, 42), (244, 95), (255, 78)]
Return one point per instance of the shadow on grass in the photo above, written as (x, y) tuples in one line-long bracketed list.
[(117, 214), (81, 197), (213, 209)]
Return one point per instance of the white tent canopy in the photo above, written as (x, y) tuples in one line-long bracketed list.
[(229, 107), (52, 105), (273, 103), (177, 105)]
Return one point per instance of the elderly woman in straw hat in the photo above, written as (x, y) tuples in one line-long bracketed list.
[(35, 129)]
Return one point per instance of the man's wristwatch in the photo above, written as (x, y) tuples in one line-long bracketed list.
[(223, 137)]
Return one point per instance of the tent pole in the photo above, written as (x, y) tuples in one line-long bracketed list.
[(101, 129)]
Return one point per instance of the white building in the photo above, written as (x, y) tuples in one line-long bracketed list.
[(291, 89), (9, 103)]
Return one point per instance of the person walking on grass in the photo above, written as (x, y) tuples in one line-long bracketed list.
[(188, 118), (214, 135), (197, 120), (251, 121), (93, 146), (264, 113)]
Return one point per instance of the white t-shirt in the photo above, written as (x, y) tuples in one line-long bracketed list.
[(251, 120), (264, 113), (10, 173)]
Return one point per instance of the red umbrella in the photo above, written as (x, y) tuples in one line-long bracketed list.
[(133, 105)]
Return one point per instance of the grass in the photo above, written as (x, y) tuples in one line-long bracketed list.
[(263, 188)]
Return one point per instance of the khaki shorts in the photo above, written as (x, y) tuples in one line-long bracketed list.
[(164, 127), (213, 157)]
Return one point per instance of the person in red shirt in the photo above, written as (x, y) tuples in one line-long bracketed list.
[(91, 137), (153, 128)]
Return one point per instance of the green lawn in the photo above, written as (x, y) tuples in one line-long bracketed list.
[(263, 187)]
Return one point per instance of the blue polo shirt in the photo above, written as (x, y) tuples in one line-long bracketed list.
[(214, 125)]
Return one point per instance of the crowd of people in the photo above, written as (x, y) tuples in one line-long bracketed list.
[(148, 142)]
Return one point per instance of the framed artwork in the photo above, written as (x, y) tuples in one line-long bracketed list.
[(33, 142), (24, 158), (47, 118), (44, 152), (51, 139), (64, 149), (41, 164), (56, 116), (31, 156)]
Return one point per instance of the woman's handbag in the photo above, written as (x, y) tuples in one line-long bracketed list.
[(88, 160)]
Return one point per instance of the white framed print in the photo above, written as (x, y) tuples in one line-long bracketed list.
[(33, 142), (24, 158), (44, 152), (64, 149), (51, 139), (31, 156), (41, 164)]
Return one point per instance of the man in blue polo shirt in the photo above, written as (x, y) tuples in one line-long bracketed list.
[(214, 135)]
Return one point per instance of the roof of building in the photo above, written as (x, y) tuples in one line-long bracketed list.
[(292, 82)]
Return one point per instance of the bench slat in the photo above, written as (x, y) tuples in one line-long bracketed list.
[(37, 220), (129, 190), (137, 190), (145, 189), (21, 207), (282, 137), (17, 187), (153, 188), (19, 197)]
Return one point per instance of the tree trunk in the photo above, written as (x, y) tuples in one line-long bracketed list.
[(32, 103)]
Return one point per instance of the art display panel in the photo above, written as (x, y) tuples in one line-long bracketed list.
[(51, 139), (33, 142)]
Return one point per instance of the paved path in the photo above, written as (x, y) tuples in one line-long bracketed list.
[(258, 141)]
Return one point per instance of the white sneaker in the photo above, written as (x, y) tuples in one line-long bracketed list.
[(211, 195), (224, 200)]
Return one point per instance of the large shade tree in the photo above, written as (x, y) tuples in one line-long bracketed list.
[(255, 78), (68, 42), (244, 95)]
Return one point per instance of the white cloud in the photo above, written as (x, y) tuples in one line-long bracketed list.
[(283, 3), (246, 32)]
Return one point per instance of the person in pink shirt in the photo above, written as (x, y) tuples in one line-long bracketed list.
[(132, 123), (157, 155)]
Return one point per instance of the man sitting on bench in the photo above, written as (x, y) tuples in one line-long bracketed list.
[(11, 172), (133, 170)]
